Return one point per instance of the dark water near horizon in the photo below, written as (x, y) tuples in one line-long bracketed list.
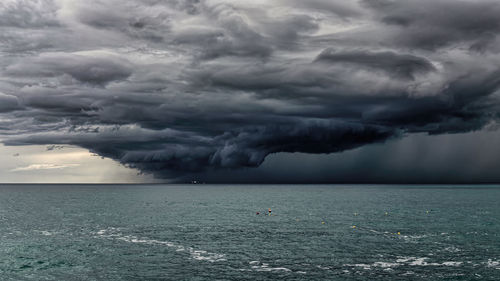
[(212, 232)]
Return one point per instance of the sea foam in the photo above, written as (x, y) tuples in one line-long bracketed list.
[(201, 255)]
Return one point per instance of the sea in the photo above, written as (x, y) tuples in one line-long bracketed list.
[(249, 232)]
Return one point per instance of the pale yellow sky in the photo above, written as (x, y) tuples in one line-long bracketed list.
[(68, 164)]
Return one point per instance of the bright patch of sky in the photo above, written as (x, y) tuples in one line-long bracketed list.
[(56, 164)]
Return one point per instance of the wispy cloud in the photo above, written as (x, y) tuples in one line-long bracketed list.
[(34, 167)]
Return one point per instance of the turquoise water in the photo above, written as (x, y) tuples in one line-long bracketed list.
[(212, 232)]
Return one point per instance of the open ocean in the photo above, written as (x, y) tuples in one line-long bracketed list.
[(212, 232)]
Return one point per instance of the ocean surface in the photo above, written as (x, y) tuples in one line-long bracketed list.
[(212, 232)]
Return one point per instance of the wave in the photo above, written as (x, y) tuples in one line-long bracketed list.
[(264, 267), (201, 255), (405, 261), (493, 264)]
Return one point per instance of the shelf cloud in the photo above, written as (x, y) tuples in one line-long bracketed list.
[(176, 88)]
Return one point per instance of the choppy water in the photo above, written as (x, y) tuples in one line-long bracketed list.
[(212, 232)]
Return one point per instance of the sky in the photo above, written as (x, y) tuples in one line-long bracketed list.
[(249, 91)]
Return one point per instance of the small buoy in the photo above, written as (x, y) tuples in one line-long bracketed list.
[(257, 213), (322, 222), (427, 211), (386, 213), (353, 226), (399, 233), (355, 214)]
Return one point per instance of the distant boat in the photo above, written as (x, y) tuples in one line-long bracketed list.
[(197, 182)]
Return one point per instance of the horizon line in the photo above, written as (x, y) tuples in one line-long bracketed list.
[(269, 183)]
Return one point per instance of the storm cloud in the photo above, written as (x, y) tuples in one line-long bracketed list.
[(176, 88)]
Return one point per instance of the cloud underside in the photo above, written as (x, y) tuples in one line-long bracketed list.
[(181, 87)]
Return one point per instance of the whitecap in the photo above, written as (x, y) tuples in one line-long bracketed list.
[(201, 255), (385, 264), (264, 267), (405, 259), (419, 262), (493, 264), (362, 265), (323, 267), (400, 261), (452, 249), (45, 232)]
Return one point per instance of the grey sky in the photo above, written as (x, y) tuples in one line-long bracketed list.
[(209, 89)]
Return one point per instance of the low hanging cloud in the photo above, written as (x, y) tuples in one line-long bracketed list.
[(176, 88)]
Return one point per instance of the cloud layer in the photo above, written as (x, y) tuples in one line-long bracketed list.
[(181, 87)]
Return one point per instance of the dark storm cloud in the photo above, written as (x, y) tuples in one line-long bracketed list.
[(8, 103), (403, 66), (115, 16), (342, 9), (437, 23), (28, 13), (95, 70), (181, 87), (170, 152)]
